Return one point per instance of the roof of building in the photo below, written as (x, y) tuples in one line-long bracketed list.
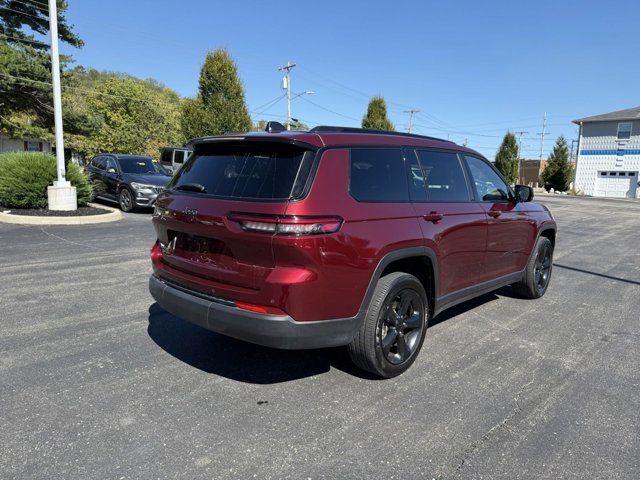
[(626, 114)]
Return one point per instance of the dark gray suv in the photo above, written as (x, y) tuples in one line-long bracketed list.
[(131, 180)]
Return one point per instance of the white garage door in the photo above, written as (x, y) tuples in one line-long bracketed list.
[(617, 184)]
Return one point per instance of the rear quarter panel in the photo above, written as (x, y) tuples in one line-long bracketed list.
[(342, 263)]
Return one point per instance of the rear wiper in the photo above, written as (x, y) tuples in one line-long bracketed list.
[(192, 187)]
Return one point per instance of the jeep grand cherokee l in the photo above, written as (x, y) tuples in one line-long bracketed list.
[(341, 236)]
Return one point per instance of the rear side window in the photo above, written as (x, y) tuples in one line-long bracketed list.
[(443, 176), (179, 156), (378, 175), (265, 171)]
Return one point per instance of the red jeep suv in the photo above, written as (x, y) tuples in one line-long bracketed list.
[(341, 236)]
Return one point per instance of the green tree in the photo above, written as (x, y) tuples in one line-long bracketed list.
[(25, 64), (220, 105), (260, 126), (376, 116), (558, 174), (121, 114), (507, 158), (298, 125)]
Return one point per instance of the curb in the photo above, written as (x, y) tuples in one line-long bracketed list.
[(631, 201), (113, 216)]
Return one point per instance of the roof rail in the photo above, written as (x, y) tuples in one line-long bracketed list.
[(332, 129)]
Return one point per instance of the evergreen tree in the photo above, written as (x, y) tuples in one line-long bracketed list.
[(558, 174), (220, 106), (25, 65), (376, 116), (507, 158)]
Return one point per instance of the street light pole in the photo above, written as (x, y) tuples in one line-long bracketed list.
[(62, 196)]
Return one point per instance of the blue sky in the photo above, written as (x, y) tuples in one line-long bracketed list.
[(473, 68)]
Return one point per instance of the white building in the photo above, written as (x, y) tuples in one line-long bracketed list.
[(8, 144), (609, 154)]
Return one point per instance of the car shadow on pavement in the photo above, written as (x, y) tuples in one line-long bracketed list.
[(241, 361), (245, 362)]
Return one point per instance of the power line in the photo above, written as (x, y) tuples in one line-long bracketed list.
[(329, 110), (31, 1), (268, 105), (24, 13), (24, 40), (95, 92), (30, 4)]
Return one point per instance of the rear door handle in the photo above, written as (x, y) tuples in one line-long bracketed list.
[(433, 217), (494, 213)]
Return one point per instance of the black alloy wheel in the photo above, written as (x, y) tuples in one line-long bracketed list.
[(125, 199), (400, 326)]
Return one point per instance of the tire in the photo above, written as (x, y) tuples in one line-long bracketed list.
[(125, 200), (537, 275), (376, 348)]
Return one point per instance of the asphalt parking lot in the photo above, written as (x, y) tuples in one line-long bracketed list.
[(98, 382)]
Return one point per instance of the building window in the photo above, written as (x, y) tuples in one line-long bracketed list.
[(30, 146), (624, 131)]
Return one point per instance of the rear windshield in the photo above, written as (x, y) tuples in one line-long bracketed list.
[(265, 171)]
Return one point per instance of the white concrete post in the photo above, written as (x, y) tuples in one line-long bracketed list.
[(62, 196)]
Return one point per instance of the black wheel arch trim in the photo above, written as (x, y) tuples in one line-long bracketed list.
[(386, 260), (546, 226)]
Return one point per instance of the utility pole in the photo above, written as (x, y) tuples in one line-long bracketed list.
[(411, 113), (286, 84), (543, 134), (61, 196), (520, 134)]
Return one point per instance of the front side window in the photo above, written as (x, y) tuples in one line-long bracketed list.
[(98, 163), (111, 163), (624, 131), (261, 171), (378, 175), (488, 185), (444, 177)]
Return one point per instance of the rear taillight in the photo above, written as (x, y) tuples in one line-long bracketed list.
[(287, 225), (156, 252)]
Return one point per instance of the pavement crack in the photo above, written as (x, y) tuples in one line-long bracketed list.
[(503, 425), (69, 241)]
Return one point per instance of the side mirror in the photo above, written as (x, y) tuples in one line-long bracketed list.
[(111, 170), (523, 193)]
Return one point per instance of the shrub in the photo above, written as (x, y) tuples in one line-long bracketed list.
[(25, 176)]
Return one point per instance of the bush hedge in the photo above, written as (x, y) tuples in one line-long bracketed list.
[(25, 176)]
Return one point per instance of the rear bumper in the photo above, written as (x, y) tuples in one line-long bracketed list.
[(277, 331)]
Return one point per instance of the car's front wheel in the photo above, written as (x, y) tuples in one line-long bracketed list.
[(125, 199), (537, 275), (394, 327)]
